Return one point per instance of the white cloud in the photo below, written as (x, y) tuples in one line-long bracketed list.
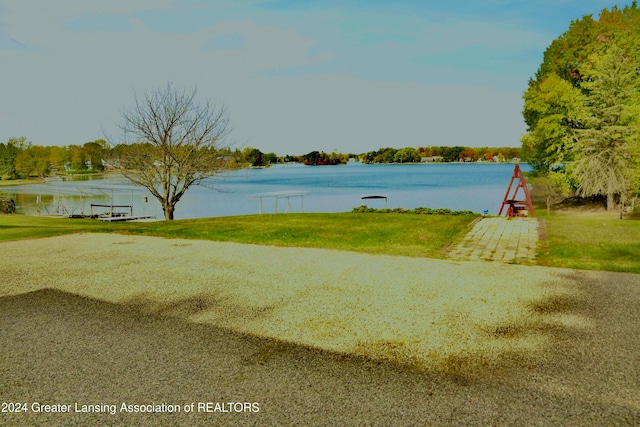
[(267, 47), (38, 23)]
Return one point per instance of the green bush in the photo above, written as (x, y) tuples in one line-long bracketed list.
[(418, 211), (7, 206)]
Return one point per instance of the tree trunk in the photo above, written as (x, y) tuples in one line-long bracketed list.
[(611, 203), (168, 212)]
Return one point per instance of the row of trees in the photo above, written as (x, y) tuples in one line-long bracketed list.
[(254, 157), (583, 108), (20, 158), (440, 153), (320, 158)]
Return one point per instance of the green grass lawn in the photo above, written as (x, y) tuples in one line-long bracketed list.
[(14, 227), (389, 234), (593, 242)]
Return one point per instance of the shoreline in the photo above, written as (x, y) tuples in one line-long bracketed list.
[(27, 181)]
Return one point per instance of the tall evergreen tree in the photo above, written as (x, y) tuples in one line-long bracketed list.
[(603, 162)]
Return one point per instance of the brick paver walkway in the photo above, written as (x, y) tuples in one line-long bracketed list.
[(499, 239)]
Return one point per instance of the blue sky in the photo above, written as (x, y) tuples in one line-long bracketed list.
[(295, 76)]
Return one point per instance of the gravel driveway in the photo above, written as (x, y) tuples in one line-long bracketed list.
[(108, 326)]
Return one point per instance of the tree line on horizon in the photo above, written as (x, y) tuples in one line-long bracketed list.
[(443, 154), (21, 158)]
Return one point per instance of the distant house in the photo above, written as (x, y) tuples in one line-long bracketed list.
[(432, 159), (107, 165)]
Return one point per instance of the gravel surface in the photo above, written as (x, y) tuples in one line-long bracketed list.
[(309, 337)]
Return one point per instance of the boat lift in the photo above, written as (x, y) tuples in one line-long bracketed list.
[(281, 195), (386, 200), (104, 212)]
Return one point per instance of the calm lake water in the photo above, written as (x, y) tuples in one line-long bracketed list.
[(475, 187)]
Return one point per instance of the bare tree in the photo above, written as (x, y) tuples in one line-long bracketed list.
[(178, 143)]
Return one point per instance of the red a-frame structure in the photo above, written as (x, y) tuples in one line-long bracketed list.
[(515, 206)]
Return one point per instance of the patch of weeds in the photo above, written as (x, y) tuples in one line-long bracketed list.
[(416, 211)]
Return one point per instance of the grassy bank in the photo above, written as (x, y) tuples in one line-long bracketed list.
[(390, 234), (12, 182), (15, 227)]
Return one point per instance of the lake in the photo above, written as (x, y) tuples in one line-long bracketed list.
[(456, 186)]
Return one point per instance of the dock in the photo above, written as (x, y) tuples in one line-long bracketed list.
[(124, 218)]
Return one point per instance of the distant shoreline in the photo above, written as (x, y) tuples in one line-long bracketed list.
[(408, 163), (25, 181)]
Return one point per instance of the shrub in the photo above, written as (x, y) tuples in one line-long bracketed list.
[(417, 211)]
